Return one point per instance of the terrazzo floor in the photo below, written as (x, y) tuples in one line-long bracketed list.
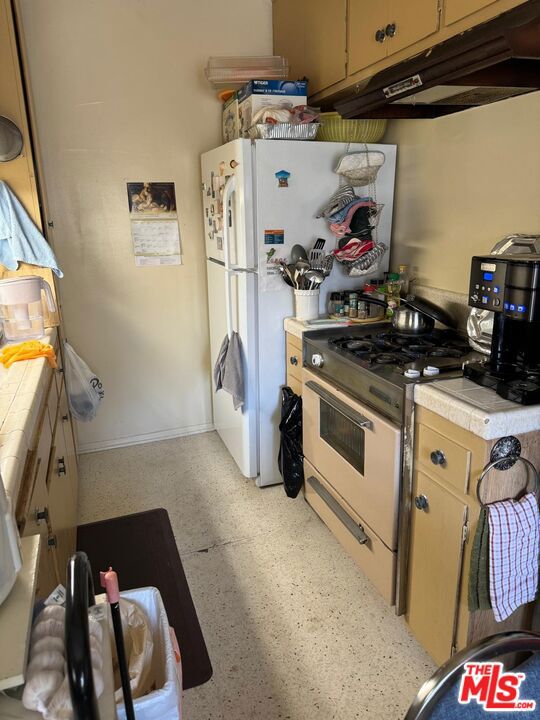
[(293, 628)]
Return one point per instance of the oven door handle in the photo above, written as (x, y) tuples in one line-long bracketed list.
[(341, 407), (354, 528)]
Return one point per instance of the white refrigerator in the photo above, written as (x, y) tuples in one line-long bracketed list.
[(261, 197)]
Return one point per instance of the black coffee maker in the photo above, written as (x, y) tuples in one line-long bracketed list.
[(510, 287)]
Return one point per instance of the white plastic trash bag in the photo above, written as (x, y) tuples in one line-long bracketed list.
[(84, 388), (164, 701)]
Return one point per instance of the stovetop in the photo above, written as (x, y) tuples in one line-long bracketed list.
[(370, 362), (402, 352)]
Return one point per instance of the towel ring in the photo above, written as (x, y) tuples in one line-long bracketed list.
[(514, 458)]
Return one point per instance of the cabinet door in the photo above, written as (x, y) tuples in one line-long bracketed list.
[(366, 39), (289, 26), (455, 10), (325, 43), (38, 523), (435, 567), (410, 22), (62, 486)]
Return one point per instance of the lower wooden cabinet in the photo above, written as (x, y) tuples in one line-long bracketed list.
[(448, 462), (47, 502), (294, 363), (62, 485), (439, 523)]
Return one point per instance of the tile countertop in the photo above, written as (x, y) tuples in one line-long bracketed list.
[(477, 409), (299, 327), (22, 389)]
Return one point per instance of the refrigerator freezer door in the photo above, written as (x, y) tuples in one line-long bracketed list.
[(237, 428), (234, 158)]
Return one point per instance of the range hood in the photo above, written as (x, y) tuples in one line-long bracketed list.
[(491, 62)]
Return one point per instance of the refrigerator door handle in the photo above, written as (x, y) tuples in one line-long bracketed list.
[(228, 190)]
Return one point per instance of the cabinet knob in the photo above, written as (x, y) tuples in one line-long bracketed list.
[(65, 418), (421, 502), (438, 457), (62, 466), (51, 541), (390, 30), (380, 35), (42, 514), (293, 360)]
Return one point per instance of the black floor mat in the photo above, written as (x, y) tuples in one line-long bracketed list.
[(141, 548)]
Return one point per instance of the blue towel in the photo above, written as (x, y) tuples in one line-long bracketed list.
[(20, 240)]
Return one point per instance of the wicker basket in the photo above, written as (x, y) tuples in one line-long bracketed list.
[(336, 129)]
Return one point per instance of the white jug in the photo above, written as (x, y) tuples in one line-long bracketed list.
[(20, 307)]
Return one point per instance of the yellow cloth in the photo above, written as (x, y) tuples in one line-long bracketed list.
[(27, 351)]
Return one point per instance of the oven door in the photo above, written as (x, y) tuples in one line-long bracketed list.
[(356, 450)]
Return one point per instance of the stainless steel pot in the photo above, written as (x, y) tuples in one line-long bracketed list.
[(407, 321), (414, 316)]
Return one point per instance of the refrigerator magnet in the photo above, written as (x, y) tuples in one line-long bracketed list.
[(274, 237), (283, 178)]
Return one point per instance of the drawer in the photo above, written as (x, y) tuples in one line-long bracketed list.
[(443, 458), (294, 357), (357, 538)]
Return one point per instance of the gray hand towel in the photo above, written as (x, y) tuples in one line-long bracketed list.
[(232, 379), (219, 367)]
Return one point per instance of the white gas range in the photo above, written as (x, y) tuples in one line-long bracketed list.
[(358, 427)]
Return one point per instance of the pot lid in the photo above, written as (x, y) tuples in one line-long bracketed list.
[(427, 308)]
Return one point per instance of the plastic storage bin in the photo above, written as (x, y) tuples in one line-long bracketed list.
[(231, 72)]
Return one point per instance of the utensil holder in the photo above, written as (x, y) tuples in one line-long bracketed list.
[(306, 304)]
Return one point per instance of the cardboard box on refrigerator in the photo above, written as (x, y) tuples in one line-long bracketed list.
[(230, 119), (259, 94)]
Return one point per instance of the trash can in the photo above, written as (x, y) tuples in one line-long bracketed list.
[(165, 701)]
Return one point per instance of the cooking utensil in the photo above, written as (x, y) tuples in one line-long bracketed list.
[(298, 253), (316, 253), (286, 275), (301, 267), (314, 278)]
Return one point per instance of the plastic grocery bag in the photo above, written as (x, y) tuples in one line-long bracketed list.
[(84, 389), (291, 458)]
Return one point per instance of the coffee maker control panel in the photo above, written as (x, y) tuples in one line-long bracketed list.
[(506, 285)]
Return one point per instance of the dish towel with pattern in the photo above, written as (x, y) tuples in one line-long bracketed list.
[(514, 546), (20, 240)]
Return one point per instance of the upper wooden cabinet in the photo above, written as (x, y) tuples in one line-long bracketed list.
[(366, 33), (337, 44), (377, 30), (312, 35), (455, 10)]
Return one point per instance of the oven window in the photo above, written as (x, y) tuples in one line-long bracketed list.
[(343, 435)]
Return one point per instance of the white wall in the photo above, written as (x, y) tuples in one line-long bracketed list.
[(120, 95), (464, 182)]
